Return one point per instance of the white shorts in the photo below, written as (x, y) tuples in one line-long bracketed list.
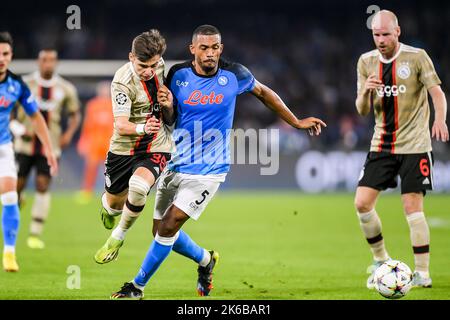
[(188, 192), (7, 161)]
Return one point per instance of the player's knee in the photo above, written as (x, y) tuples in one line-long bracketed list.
[(171, 222), (412, 202), (137, 193), (167, 228), (363, 206), (42, 184), (42, 188), (411, 207)]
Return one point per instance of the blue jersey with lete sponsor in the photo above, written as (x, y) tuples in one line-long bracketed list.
[(12, 90), (205, 111)]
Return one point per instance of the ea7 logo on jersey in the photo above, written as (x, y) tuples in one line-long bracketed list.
[(391, 90), (181, 83)]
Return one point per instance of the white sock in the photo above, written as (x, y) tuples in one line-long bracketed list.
[(137, 286), (11, 249), (111, 211), (420, 241), (39, 212), (118, 233), (126, 221), (371, 226), (206, 258)]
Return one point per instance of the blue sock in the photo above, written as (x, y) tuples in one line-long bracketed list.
[(187, 247), (155, 256), (10, 224)]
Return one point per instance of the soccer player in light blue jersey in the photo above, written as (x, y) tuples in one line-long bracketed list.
[(203, 92), (13, 90)]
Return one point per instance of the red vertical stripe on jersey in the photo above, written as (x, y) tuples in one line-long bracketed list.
[(394, 83), (149, 146), (138, 141), (380, 146)]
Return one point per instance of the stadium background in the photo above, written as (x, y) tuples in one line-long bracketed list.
[(298, 243), (305, 51)]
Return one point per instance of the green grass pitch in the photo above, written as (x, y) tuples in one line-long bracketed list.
[(280, 245)]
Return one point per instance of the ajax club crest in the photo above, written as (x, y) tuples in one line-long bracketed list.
[(403, 71)]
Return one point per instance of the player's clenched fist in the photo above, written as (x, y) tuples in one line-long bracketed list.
[(165, 97), (152, 125), (373, 83)]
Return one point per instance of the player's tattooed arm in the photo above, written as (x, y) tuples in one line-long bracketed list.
[(165, 99), (439, 129), (271, 100)]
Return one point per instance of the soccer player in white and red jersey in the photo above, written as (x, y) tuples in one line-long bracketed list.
[(395, 80)]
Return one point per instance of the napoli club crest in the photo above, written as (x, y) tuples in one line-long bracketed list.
[(403, 71), (223, 80)]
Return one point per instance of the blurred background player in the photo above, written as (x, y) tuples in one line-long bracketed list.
[(93, 144), (394, 79), (13, 90), (141, 143), (54, 96), (208, 99)]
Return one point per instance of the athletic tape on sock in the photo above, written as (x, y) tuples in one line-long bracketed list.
[(165, 241), (9, 198)]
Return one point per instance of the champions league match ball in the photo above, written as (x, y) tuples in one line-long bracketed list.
[(393, 279)]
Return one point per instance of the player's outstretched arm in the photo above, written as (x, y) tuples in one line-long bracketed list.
[(439, 129), (41, 129), (274, 102)]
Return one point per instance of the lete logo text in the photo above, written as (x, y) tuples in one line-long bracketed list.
[(197, 97)]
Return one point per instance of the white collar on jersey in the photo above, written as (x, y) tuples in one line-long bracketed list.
[(44, 82), (393, 58), (130, 65)]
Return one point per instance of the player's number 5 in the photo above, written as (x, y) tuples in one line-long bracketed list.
[(204, 194)]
